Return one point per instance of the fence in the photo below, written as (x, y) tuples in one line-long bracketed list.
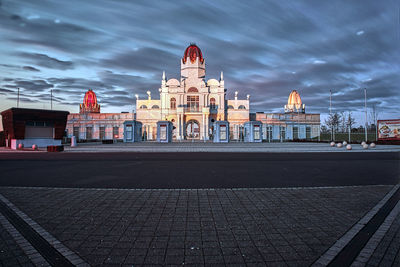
[(354, 137)]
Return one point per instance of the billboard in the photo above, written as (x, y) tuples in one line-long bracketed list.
[(389, 129)]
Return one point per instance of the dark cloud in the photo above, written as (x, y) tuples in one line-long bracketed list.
[(265, 48), (33, 86), (30, 68), (46, 61)]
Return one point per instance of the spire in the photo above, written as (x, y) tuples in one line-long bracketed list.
[(222, 76), (163, 81)]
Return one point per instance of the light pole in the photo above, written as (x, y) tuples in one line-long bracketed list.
[(330, 114), (18, 98), (366, 122)]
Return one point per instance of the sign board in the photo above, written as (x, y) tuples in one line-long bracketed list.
[(163, 132), (389, 129), (256, 132), (222, 131)]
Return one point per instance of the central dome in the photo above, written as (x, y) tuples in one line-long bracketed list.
[(193, 52)]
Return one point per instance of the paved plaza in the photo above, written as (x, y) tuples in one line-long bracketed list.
[(273, 227)]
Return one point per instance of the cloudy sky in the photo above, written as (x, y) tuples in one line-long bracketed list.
[(265, 48)]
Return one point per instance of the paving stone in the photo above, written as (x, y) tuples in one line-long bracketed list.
[(211, 227)]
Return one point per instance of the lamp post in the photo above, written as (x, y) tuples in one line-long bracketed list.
[(330, 113), (18, 98), (366, 122)]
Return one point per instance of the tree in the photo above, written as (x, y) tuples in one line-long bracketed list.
[(374, 114), (324, 129), (333, 121), (350, 120)]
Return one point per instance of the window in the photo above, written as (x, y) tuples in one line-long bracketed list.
[(173, 103), (143, 107), (230, 107), (256, 132), (193, 90), (241, 107), (129, 132), (115, 132), (89, 131), (155, 107), (193, 103), (102, 133), (212, 103), (76, 132)]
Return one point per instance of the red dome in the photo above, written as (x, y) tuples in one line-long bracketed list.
[(90, 103), (193, 52), (90, 99)]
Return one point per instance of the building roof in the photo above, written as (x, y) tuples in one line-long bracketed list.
[(193, 52)]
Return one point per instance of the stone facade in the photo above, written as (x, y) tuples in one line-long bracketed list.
[(191, 103), (97, 126)]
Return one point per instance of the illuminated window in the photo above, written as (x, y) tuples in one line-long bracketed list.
[(212, 103), (115, 132), (173, 103), (193, 103)]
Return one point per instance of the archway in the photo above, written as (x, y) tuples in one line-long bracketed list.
[(193, 129)]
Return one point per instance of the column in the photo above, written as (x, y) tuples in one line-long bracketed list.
[(204, 127), (179, 127), (207, 128)]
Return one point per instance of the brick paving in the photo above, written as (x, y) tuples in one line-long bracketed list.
[(11, 253), (388, 251), (217, 226)]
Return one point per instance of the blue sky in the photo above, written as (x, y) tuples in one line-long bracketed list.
[(265, 48)]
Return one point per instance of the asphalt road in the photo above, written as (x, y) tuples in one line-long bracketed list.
[(198, 170)]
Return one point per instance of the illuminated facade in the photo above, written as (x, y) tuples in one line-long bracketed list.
[(191, 103), (291, 125), (90, 124)]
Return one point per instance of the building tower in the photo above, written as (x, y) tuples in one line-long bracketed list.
[(294, 103), (89, 104), (193, 65)]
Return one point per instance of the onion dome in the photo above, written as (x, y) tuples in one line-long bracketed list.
[(294, 103), (294, 100), (193, 52), (89, 104)]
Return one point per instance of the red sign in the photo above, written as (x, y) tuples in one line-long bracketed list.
[(389, 129)]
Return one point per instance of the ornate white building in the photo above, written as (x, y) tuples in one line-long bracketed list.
[(191, 103)]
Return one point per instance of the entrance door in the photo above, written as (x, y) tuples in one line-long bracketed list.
[(193, 129)]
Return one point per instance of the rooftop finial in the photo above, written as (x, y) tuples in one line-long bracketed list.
[(222, 76), (163, 75)]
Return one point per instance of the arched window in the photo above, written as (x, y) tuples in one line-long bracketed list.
[(230, 107), (143, 107), (241, 107), (212, 103), (155, 107), (173, 103), (193, 90)]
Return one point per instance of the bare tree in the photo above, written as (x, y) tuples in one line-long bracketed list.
[(343, 121), (333, 121), (374, 114), (350, 120)]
